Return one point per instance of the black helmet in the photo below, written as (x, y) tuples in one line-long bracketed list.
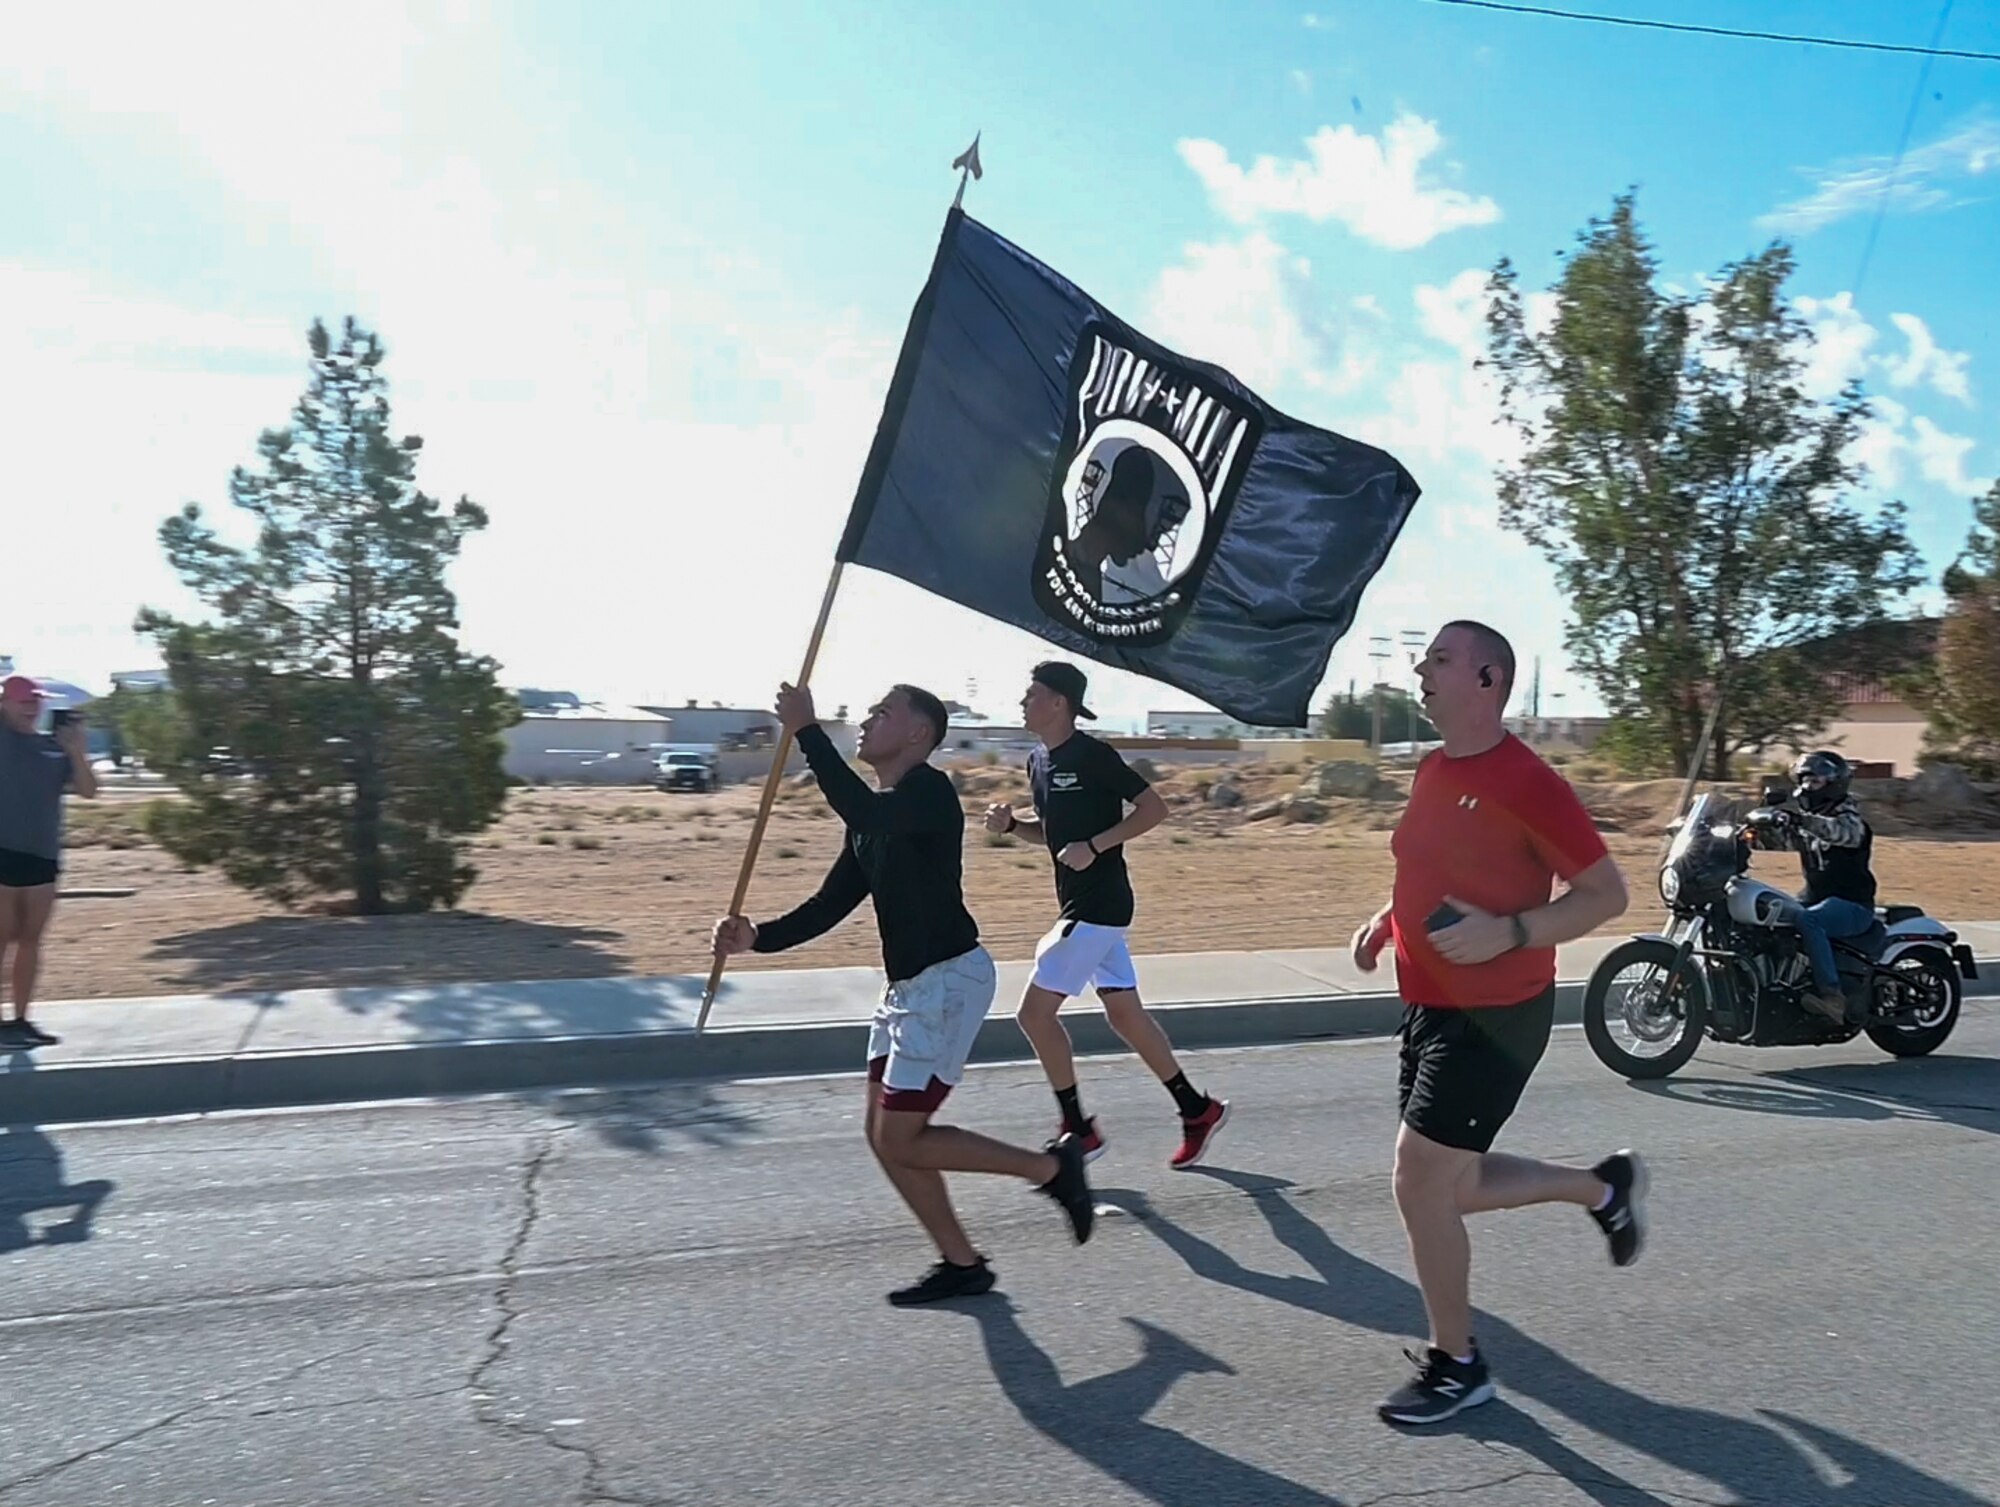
[(1822, 780)]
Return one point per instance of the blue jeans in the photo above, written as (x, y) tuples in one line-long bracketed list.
[(1818, 925)]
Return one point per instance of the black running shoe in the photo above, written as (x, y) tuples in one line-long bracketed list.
[(1623, 1220), (35, 1036), (945, 1281), (1070, 1187), (1441, 1389)]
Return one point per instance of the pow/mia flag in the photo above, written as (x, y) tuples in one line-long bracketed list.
[(1044, 463)]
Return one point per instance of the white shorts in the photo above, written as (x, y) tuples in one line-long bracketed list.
[(925, 1026), (1077, 955)]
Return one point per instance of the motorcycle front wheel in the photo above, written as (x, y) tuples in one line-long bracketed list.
[(1639, 1022)]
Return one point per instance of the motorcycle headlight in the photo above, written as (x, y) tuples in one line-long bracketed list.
[(1670, 885)]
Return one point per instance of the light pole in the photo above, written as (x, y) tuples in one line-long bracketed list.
[(1414, 643), (1378, 651)]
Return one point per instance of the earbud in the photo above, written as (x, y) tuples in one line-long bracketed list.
[(1486, 676)]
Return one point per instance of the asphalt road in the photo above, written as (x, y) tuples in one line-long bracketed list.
[(675, 1297)]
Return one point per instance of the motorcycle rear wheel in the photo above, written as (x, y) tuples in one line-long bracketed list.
[(1937, 976), (1654, 1010)]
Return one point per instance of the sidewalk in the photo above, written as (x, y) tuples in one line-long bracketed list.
[(193, 1053)]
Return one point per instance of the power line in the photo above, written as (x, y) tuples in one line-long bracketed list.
[(1644, 23), (1902, 146)]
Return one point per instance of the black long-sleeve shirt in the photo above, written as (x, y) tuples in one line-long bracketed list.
[(905, 848)]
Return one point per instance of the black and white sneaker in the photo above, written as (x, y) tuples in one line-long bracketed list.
[(1623, 1220), (1441, 1389), (1071, 1188), (945, 1281)]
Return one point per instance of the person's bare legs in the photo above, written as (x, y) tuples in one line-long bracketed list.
[(10, 922), (1139, 1031), (915, 1155), (1048, 1036), (32, 908), (922, 1189), (1436, 1187), (1426, 1182), (1497, 1181)]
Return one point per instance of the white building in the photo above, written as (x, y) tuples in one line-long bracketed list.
[(724, 727), (975, 738), (1194, 723), (567, 741)]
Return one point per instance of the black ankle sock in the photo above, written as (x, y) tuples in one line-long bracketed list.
[(1072, 1111), (1185, 1095)]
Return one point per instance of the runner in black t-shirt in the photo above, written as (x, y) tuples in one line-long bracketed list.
[(1081, 789), (904, 848)]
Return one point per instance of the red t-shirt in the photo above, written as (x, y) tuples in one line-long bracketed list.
[(1496, 830)]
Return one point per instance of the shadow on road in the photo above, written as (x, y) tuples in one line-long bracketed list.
[(1751, 1459), (31, 1182), (652, 1121), (1944, 1090), (1102, 1421)]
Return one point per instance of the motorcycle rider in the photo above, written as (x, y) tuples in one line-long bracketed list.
[(1822, 823)]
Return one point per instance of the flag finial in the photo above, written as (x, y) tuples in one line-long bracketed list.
[(967, 163)]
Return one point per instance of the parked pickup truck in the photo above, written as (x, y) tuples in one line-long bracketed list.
[(686, 770)]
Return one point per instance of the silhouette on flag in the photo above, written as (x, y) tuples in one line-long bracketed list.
[(1042, 462)]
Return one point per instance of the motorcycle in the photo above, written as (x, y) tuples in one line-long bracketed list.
[(1730, 968)]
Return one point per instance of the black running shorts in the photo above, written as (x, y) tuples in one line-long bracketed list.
[(26, 871), (1462, 1070)]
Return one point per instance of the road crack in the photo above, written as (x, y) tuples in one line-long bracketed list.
[(486, 1408), (172, 1420)]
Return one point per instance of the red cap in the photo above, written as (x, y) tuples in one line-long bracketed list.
[(20, 688)]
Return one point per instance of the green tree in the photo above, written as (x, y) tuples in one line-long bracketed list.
[(328, 732), (1353, 717), (1960, 690), (1694, 500)]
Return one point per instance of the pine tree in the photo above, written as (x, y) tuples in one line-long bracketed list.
[(328, 733)]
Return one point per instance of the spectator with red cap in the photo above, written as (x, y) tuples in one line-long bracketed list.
[(36, 769)]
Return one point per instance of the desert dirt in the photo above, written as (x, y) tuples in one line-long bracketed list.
[(577, 883)]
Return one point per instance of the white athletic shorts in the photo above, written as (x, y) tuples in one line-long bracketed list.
[(1077, 955), (924, 1028)]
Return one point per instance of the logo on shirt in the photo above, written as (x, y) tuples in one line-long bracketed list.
[(1469, 802), (1065, 779), (1150, 463)]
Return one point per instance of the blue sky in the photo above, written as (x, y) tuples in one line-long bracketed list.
[(643, 269)]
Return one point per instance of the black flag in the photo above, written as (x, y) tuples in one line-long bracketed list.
[(1044, 463)]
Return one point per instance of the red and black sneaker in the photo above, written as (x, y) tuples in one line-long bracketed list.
[(1088, 1140), (1198, 1134)]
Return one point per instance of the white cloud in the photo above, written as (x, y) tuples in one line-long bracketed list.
[(1250, 307), (1883, 442), (1896, 445), (1919, 183), (1301, 81), (1927, 363), (1378, 187), (1941, 457), (1841, 341)]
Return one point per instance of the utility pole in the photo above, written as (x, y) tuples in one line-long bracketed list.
[(1378, 651), (1414, 643)]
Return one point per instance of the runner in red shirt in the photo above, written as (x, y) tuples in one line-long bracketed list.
[(1489, 831)]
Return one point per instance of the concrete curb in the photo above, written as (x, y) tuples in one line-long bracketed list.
[(146, 1087)]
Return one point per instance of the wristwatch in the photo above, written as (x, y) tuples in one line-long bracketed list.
[(1091, 843), (1520, 932)]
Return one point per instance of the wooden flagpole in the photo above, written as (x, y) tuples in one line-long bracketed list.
[(771, 784), (968, 165)]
